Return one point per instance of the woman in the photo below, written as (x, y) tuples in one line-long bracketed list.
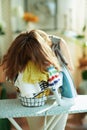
[(38, 122)]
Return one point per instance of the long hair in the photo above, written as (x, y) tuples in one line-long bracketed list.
[(29, 46)]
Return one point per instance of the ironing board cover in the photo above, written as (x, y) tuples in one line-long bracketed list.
[(4, 123)]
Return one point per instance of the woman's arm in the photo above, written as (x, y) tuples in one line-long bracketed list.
[(2, 74), (66, 53), (62, 45)]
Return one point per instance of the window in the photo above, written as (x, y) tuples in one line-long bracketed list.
[(45, 10)]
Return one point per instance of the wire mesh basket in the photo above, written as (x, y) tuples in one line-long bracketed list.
[(32, 102)]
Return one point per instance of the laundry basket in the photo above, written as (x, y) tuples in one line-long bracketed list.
[(32, 102)]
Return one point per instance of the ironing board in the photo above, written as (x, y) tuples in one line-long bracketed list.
[(11, 108)]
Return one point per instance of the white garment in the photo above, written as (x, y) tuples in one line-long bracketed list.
[(27, 89)]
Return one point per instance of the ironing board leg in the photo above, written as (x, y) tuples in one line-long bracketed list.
[(45, 122), (54, 123), (49, 122), (15, 123)]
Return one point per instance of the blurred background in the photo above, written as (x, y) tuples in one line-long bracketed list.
[(63, 18)]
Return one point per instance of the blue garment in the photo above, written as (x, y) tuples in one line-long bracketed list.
[(67, 89)]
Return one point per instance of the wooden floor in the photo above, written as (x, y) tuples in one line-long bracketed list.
[(77, 122), (22, 122)]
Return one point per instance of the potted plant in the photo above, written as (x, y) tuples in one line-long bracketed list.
[(30, 19)]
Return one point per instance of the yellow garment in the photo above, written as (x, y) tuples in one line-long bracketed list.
[(32, 74), (46, 93)]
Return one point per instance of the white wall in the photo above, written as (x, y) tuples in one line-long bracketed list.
[(71, 14), (0, 9), (6, 17)]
